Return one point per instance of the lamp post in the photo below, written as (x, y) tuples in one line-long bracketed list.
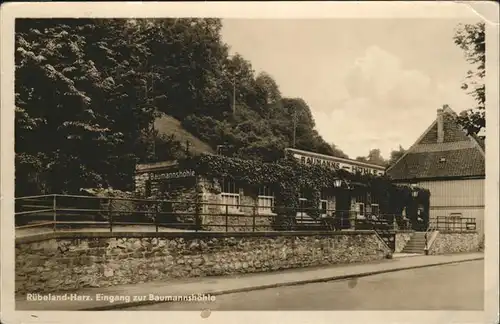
[(414, 194), (294, 127), (234, 95), (232, 80), (337, 183)]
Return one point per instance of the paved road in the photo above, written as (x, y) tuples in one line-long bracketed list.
[(448, 287)]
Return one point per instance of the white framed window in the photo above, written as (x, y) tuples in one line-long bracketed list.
[(327, 204), (265, 200), (302, 207), (230, 196), (375, 210), (360, 209), (362, 206), (323, 207)]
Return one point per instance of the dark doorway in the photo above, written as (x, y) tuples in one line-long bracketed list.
[(342, 207), (421, 219)]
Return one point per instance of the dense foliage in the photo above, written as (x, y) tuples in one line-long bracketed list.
[(471, 39), (88, 90), (373, 157), (396, 155), (79, 114)]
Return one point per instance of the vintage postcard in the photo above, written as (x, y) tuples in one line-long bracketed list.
[(249, 162)]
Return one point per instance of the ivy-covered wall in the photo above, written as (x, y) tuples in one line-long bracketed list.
[(290, 180), (175, 200), (183, 194)]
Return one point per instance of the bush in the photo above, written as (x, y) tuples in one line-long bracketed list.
[(121, 210)]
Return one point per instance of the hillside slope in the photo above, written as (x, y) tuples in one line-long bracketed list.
[(168, 125)]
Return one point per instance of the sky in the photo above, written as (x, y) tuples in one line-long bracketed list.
[(370, 83)]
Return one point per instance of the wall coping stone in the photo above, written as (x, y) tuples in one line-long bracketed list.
[(457, 232), (431, 240), (155, 166), (382, 241), (207, 234)]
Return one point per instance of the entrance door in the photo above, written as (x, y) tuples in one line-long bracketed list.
[(342, 207)]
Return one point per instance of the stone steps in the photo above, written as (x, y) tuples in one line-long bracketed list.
[(416, 244)]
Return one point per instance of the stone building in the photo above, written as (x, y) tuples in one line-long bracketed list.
[(450, 164), (216, 198), (213, 198)]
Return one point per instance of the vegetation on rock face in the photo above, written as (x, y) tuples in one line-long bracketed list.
[(88, 91)]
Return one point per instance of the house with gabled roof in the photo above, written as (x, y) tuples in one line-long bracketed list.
[(450, 164)]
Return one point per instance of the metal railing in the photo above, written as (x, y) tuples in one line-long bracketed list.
[(76, 211), (430, 228), (449, 224), (455, 224)]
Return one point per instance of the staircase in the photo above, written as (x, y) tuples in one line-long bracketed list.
[(416, 244)]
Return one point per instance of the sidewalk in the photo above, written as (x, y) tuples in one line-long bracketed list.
[(227, 285)]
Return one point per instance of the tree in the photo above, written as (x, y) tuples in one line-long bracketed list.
[(159, 147), (240, 78), (471, 39), (78, 115), (373, 157), (338, 152), (187, 66), (396, 155), (300, 122), (88, 91), (268, 95), (362, 159)]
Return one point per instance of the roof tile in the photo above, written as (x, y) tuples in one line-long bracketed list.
[(457, 163), (428, 159)]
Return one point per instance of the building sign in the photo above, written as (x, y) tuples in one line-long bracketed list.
[(336, 163), (173, 175)]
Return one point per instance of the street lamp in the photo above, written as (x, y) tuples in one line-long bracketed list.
[(337, 183)]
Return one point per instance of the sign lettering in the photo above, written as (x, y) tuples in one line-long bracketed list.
[(336, 163), (173, 175)]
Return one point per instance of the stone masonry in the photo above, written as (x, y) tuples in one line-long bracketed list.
[(80, 260), (212, 212), (402, 238), (455, 243)]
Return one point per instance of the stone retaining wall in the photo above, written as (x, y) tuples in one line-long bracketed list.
[(402, 238), (69, 261), (445, 243)]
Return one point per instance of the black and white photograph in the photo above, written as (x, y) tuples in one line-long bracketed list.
[(210, 162)]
